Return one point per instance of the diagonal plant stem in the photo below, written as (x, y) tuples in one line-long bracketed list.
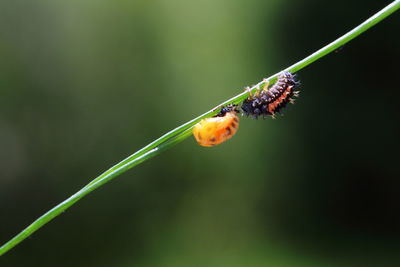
[(182, 132)]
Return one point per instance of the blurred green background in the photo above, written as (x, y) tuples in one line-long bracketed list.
[(83, 84)]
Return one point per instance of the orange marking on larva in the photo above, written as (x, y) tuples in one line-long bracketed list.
[(272, 106)]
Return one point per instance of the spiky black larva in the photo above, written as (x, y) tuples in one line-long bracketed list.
[(272, 100)]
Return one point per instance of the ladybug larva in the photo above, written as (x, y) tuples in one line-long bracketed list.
[(270, 101)]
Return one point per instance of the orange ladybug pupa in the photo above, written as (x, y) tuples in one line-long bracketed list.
[(216, 130)]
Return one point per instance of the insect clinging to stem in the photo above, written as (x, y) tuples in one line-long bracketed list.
[(216, 130), (270, 101)]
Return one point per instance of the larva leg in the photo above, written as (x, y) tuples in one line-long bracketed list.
[(266, 85), (248, 89), (257, 93)]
